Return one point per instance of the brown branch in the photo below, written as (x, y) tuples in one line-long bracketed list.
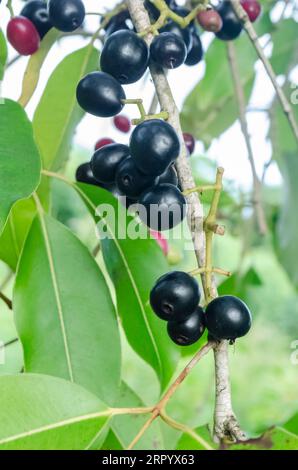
[(243, 17), (240, 97), (6, 300), (141, 20)]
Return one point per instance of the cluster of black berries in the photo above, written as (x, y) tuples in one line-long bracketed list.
[(25, 31), (143, 172), (175, 298)]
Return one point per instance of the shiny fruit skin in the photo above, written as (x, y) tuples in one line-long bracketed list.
[(100, 94), (84, 174), (162, 207), (195, 55), (182, 33), (131, 181), (22, 35), (125, 56), (189, 142), (154, 145), (231, 27), (227, 317), (66, 15), (175, 296), (103, 142), (122, 123), (210, 20), (105, 161), (168, 50), (36, 11), (120, 21), (169, 176), (190, 330), (252, 8)]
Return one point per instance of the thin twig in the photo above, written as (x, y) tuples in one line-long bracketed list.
[(9, 343), (158, 409), (6, 300), (240, 97), (243, 17)]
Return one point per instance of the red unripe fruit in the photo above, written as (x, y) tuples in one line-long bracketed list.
[(161, 240), (252, 8), (122, 123), (22, 35), (189, 142), (103, 142), (210, 20)]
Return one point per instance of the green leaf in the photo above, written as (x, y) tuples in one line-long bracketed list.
[(285, 45), (3, 54), (64, 313), (58, 113), (199, 440), (241, 285), (45, 413), (18, 224), (126, 427), (32, 73), (277, 438), (11, 354), (19, 158), (134, 267), (211, 107)]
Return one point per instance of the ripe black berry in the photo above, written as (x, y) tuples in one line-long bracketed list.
[(66, 15), (227, 317), (169, 176), (162, 207), (84, 174), (190, 330), (196, 53), (154, 145), (22, 35), (175, 296), (131, 181), (168, 50), (182, 33), (120, 21), (122, 123), (105, 161), (100, 94), (125, 56), (231, 27), (36, 11)]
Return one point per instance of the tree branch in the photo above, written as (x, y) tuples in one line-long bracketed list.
[(141, 20), (6, 300), (240, 97), (243, 17)]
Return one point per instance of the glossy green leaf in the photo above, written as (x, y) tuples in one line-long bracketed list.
[(19, 158), (35, 63), (58, 113), (11, 354), (38, 412), (285, 45), (211, 108), (241, 285), (3, 54), (134, 265), (64, 313)]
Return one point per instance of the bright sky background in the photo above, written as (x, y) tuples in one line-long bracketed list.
[(229, 151)]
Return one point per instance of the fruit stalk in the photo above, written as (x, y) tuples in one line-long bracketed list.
[(225, 420), (243, 17)]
